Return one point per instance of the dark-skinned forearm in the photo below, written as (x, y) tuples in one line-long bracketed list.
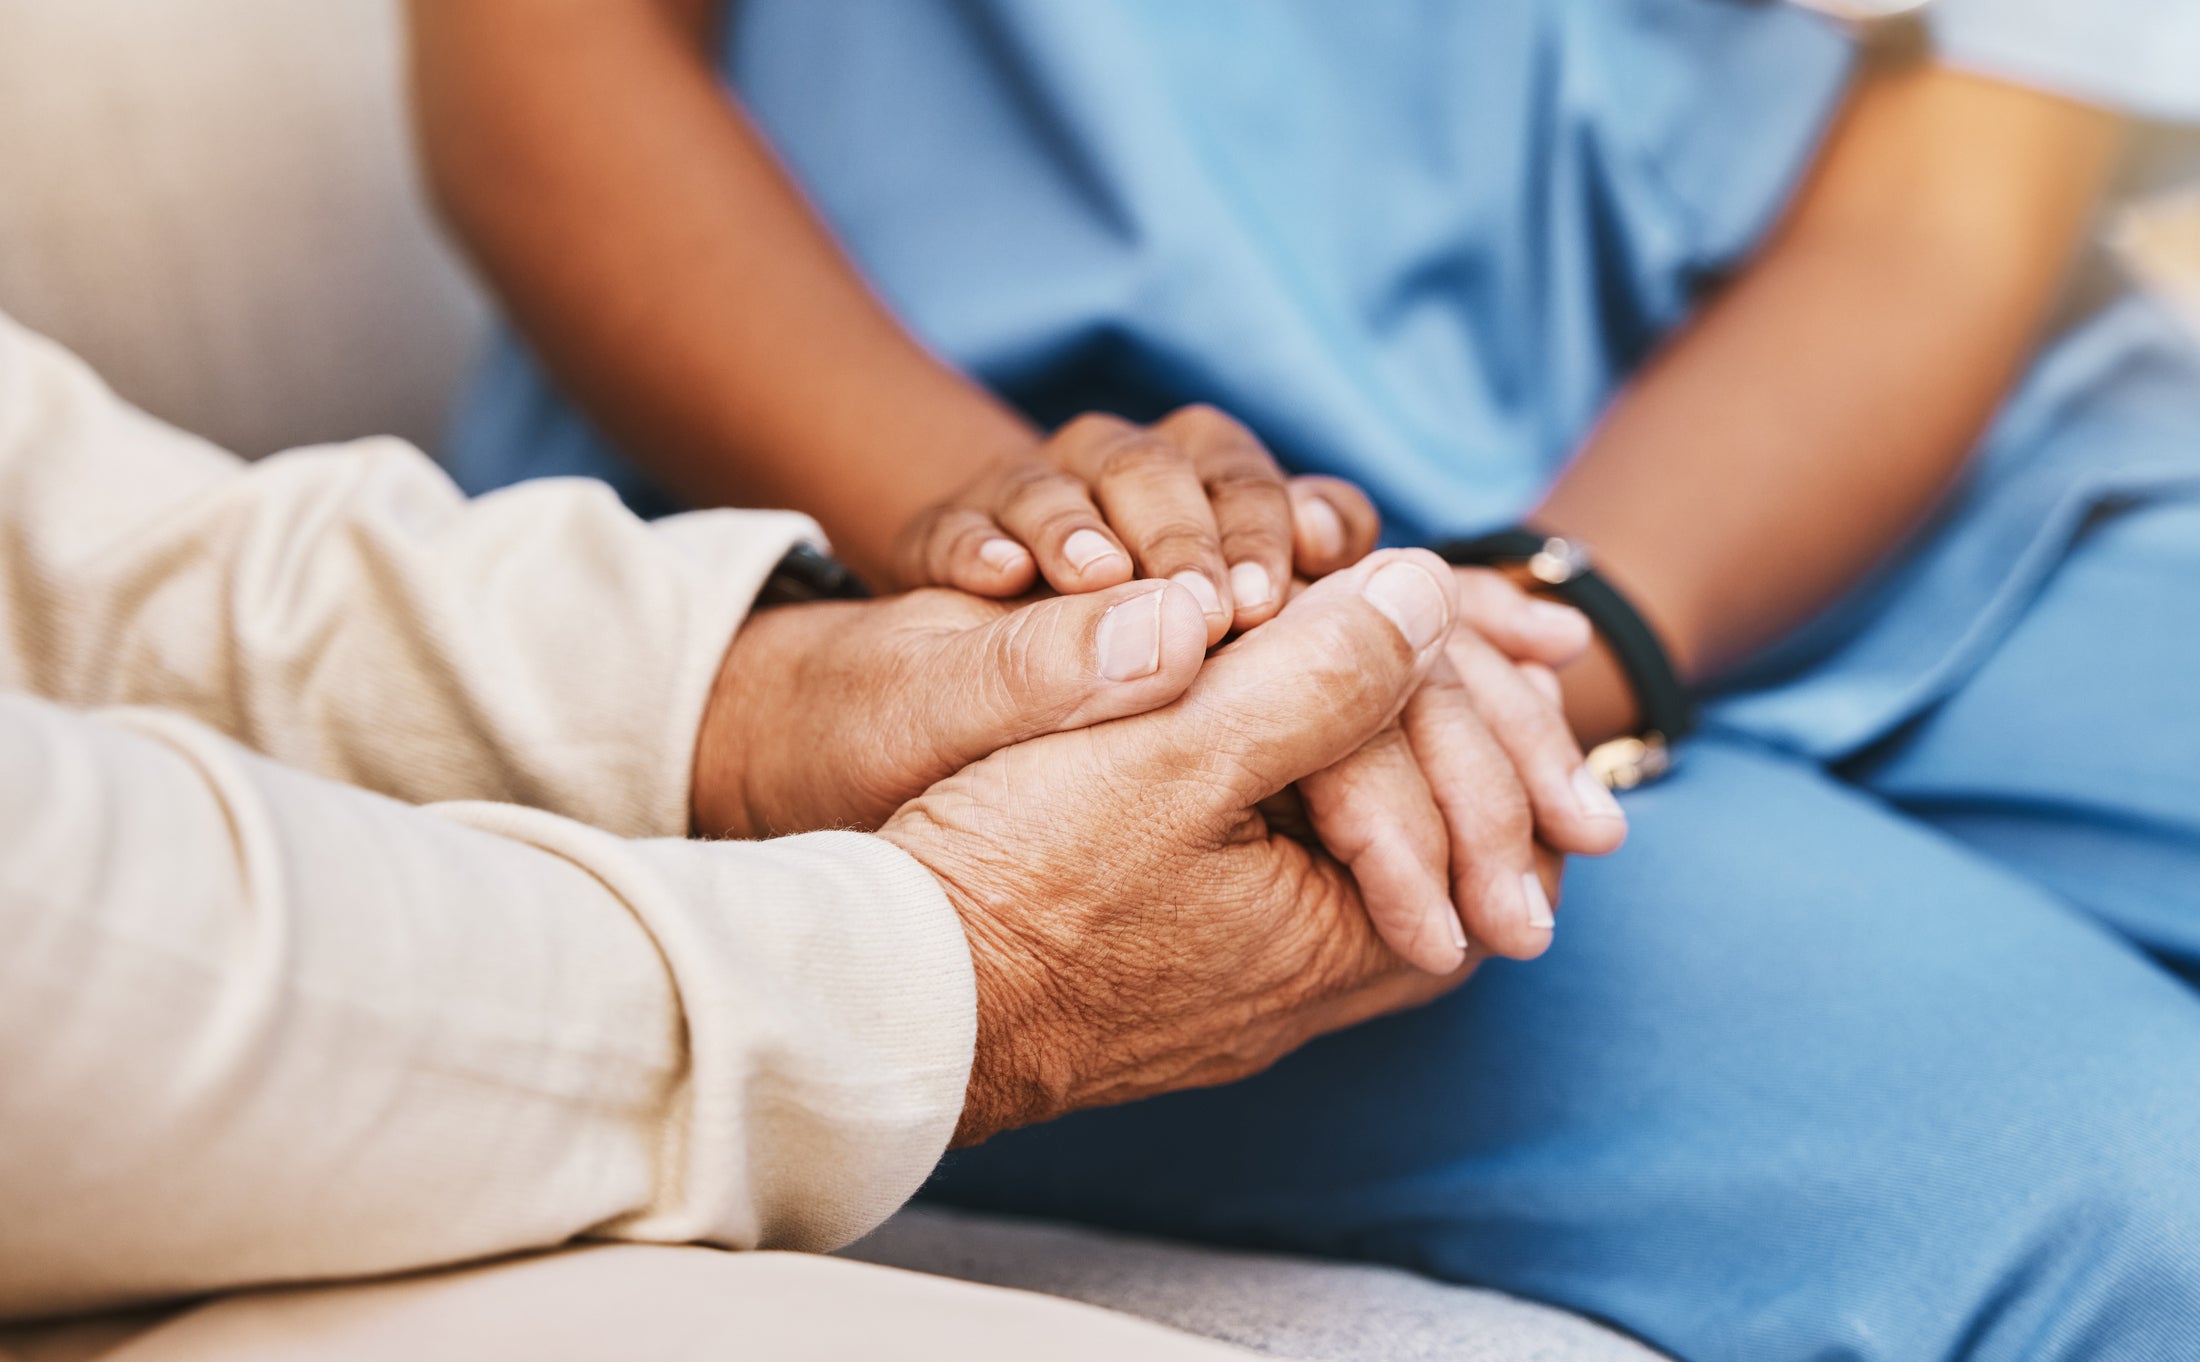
[(672, 277), (1811, 416)]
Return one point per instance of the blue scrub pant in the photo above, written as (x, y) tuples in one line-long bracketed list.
[(1899, 1060)]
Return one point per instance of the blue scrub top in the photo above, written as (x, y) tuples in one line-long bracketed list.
[(1418, 244)]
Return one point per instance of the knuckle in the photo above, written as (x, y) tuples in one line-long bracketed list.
[(1551, 741), (1014, 676), (1205, 420), (1444, 691), (949, 545), (1511, 821), (1094, 426), (1008, 654), (1512, 706), (1354, 666), (1249, 480), (1055, 524), (1177, 542), (1039, 481), (1225, 444), (1047, 503), (1249, 532), (1142, 454), (1541, 726)]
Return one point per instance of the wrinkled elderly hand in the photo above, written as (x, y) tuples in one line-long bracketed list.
[(1135, 922), (1506, 650), (831, 715), (1454, 819)]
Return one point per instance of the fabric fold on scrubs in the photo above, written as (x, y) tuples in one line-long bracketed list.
[(1422, 246)]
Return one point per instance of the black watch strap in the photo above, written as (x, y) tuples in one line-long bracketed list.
[(807, 573), (1562, 568)]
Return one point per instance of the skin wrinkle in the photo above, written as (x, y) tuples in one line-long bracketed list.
[(1363, 828), (1174, 858), (1176, 541), (1016, 670), (1232, 478), (1135, 454), (1128, 859), (1331, 694), (1167, 1060), (944, 707), (837, 712)]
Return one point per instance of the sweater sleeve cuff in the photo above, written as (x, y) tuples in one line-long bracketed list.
[(831, 1020), (729, 556)]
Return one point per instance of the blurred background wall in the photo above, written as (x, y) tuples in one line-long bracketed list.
[(213, 202)]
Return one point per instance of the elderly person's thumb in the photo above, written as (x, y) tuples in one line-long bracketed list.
[(1306, 689), (835, 713), (1054, 665), (1133, 930)]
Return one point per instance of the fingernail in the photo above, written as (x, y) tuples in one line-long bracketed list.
[(1412, 600), (1087, 549), (1458, 931), (1129, 639), (1203, 591), (1539, 903), (1249, 583), (1322, 526), (1549, 617), (1595, 800), (1002, 554)]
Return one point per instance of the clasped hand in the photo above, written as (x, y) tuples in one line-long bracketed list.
[(1175, 867), (1102, 803), (836, 714)]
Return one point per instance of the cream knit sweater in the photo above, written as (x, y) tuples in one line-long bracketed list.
[(260, 1024)]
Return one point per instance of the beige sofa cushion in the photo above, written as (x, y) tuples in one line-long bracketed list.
[(1286, 1307), (212, 201)]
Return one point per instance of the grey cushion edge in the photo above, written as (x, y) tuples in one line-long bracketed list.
[(1287, 1307)]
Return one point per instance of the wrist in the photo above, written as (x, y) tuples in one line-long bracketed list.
[(1600, 702), (746, 764), (1018, 1076), (758, 682), (1628, 701), (720, 803), (1020, 1070)]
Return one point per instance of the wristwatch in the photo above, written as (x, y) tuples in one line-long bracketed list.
[(808, 573), (1560, 567)]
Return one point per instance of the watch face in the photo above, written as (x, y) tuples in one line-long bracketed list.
[(1624, 763), (1559, 561)]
